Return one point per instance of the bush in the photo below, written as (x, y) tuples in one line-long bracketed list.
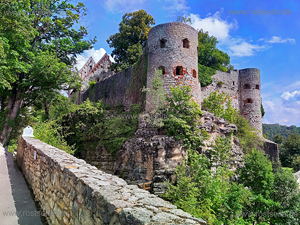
[(184, 117)]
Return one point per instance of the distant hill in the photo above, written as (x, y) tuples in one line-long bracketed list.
[(273, 129)]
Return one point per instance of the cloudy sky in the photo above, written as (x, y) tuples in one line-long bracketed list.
[(258, 34)]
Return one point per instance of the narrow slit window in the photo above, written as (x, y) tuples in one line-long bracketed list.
[(249, 100), (194, 74), (186, 43), (247, 86), (163, 43), (91, 68), (162, 69), (233, 83), (179, 70)]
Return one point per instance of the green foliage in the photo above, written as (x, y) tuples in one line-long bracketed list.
[(258, 177), (39, 43), (131, 38), (205, 74), (210, 58), (92, 83), (274, 191), (184, 19), (184, 117), (205, 194), (220, 106), (51, 133), (284, 131), (91, 126), (220, 83), (290, 152), (209, 55), (157, 92), (262, 110), (135, 109)]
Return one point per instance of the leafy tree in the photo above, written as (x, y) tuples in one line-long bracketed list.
[(205, 194), (210, 58), (183, 116), (258, 177), (41, 46), (209, 55), (286, 193), (128, 43), (290, 152)]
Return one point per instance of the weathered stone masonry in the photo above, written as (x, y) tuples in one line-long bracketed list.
[(70, 191), (173, 49)]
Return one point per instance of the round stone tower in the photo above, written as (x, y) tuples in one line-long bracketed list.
[(173, 48), (250, 97)]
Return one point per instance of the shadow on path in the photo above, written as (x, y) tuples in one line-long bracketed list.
[(26, 207)]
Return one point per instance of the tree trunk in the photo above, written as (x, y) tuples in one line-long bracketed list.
[(47, 110), (13, 107)]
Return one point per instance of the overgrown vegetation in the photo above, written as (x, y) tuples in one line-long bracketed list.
[(262, 193), (210, 58)]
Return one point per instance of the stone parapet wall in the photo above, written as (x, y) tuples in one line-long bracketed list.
[(123, 88), (70, 191)]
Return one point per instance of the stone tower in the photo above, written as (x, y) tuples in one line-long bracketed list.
[(250, 97), (173, 48)]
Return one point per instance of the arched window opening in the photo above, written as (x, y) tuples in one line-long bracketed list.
[(162, 69), (186, 43), (91, 68), (194, 74), (247, 86), (257, 87), (163, 43), (249, 100), (179, 70), (98, 79)]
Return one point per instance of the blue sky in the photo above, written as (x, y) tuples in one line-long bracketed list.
[(269, 42)]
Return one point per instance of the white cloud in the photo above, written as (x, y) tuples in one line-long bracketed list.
[(221, 29), (122, 5), (278, 112), (287, 95), (96, 54), (177, 5), (276, 39), (214, 25), (242, 48)]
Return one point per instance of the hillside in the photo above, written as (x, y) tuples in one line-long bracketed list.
[(273, 129)]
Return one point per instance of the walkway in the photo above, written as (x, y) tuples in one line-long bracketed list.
[(16, 204)]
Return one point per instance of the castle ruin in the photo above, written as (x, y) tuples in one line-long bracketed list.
[(172, 48)]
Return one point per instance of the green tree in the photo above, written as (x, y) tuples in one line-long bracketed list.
[(42, 45), (205, 194), (257, 176), (183, 117), (290, 151), (128, 43), (286, 193)]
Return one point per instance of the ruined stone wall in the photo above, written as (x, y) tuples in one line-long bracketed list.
[(99, 72), (70, 191), (244, 89), (84, 71), (224, 82), (167, 50), (123, 88)]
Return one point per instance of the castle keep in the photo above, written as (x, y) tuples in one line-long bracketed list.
[(172, 48)]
